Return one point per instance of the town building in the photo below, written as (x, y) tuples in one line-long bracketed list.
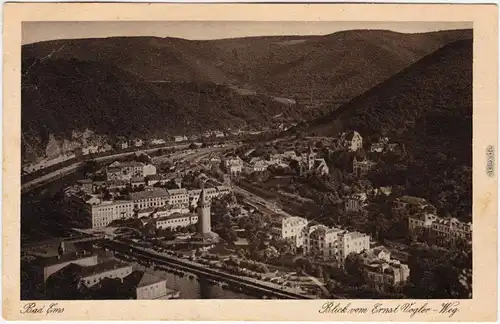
[(176, 220), (360, 168), (86, 185), (144, 285), (310, 164), (275, 159), (412, 205), (322, 242), (289, 228), (218, 134), (355, 202), (351, 140), (92, 212), (122, 144), (90, 149), (54, 264), (137, 182), (149, 170), (333, 244), (106, 212), (178, 197), (125, 170), (91, 275), (151, 197), (290, 155), (180, 138), (443, 230), (380, 271), (117, 184), (352, 242), (256, 165), (105, 148), (138, 142), (158, 141), (234, 166)]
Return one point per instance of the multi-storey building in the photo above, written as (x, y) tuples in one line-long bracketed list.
[(125, 170), (175, 220), (178, 197), (322, 242), (381, 271), (106, 212), (360, 168), (290, 228), (355, 202), (443, 230), (151, 197), (333, 244), (352, 242), (255, 166)]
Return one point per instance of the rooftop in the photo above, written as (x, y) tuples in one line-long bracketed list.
[(175, 216), (141, 279), (413, 200), (181, 191), (102, 267), (67, 257), (150, 193)]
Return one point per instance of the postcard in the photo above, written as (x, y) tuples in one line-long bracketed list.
[(307, 162)]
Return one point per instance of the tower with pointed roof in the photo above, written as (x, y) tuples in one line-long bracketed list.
[(204, 219)]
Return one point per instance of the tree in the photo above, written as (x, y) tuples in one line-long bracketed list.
[(142, 158), (171, 185), (90, 167), (354, 269)]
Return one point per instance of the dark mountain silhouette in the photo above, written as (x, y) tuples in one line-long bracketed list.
[(341, 65), (427, 108), (148, 85)]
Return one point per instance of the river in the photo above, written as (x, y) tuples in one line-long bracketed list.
[(192, 287)]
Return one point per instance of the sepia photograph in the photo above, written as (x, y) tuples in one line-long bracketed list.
[(249, 160), (333, 161)]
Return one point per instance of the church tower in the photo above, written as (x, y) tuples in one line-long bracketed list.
[(310, 159), (204, 221)]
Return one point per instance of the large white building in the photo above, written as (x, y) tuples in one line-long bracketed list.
[(151, 197), (333, 243), (178, 197), (94, 212), (290, 228)]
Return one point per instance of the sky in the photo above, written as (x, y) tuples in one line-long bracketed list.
[(203, 30)]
